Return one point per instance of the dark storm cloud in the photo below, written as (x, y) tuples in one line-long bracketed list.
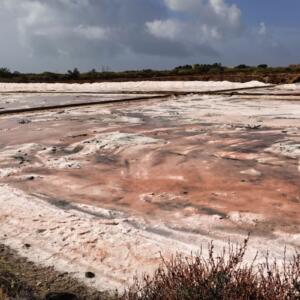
[(110, 28), (59, 34), (69, 27)]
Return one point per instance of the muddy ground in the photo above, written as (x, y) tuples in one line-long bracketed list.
[(109, 188)]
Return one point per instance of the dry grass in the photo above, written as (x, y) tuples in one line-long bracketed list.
[(219, 277), (3, 296)]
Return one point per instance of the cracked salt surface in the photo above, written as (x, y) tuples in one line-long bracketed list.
[(288, 149), (115, 140), (46, 156), (81, 237), (103, 142), (164, 148)]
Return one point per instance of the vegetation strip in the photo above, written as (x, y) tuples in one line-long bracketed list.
[(215, 71)]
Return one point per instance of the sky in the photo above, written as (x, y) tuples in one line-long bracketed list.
[(57, 35)]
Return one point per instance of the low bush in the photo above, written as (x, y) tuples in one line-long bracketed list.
[(219, 277)]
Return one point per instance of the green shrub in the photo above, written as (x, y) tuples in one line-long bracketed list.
[(5, 73)]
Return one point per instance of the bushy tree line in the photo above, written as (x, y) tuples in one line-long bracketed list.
[(105, 74)]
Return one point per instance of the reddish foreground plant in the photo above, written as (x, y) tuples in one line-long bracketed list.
[(219, 277)]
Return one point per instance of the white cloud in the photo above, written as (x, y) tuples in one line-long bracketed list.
[(204, 22), (184, 32), (231, 14), (216, 12), (169, 29), (187, 5), (92, 32), (262, 30)]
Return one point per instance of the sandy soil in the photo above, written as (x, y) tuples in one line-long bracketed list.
[(110, 188)]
